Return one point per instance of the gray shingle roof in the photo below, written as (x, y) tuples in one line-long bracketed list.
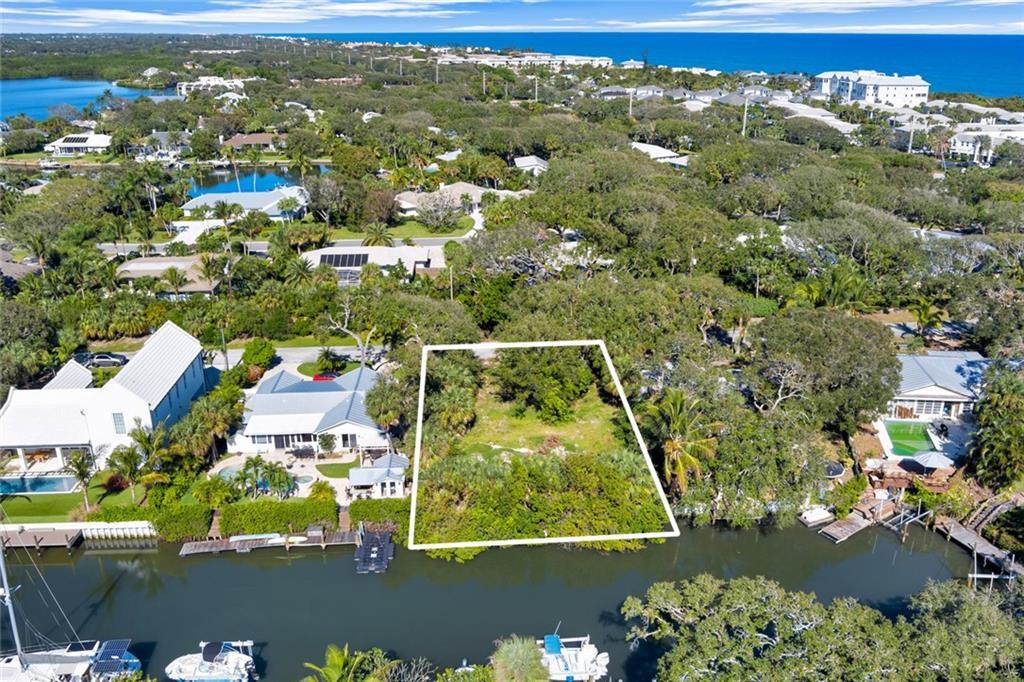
[(157, 367), (957, 371)]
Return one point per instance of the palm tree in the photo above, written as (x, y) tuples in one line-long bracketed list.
[(251, 473), (926, 314), (288, 206), (228, 152), (152, 444), (340, 665), (300, 160), (298, 271), (80, 465), (686, 440), (126, 461), (377, 234), (254, 155), (517, 659), (175, 279), (278, 480)]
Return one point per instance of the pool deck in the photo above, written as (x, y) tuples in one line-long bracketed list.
[(298, 467)]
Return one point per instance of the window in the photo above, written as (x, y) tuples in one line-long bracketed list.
[(261, 440), (929, 407), (119, 423), (348, 440)]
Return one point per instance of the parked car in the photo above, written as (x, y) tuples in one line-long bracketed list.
[(106, 360), (325, 376)]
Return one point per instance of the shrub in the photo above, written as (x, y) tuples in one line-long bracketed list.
[(174, 523), (115, 483), (259, 353), (1008, 531), (845, 495), (273, 516), (393, 514)]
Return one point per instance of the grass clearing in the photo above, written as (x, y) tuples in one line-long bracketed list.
[(410, 229), (336, 469), (498, 427), (57, 507)]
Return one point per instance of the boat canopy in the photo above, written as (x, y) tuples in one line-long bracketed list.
[(552, 644)]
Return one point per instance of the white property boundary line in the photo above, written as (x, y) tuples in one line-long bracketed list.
[(533, 541)]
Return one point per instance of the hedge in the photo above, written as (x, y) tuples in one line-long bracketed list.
[(393, 511), (272, 516), (174, 523)]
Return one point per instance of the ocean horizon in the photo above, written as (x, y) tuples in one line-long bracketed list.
[(988, 65)]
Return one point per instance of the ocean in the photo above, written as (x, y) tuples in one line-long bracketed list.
[(989, 65), (35, 96)]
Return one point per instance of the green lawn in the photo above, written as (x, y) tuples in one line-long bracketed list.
[(309, 368), (336, 470), (496, 428), (55, 507), (908, 438), (410, 229)]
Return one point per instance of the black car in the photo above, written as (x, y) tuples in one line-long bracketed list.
[(106, 360)]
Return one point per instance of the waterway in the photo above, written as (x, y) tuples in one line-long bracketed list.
[(35, 96), (295, 604), (249, 180)]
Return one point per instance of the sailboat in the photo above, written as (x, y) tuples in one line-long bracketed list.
[(92, 660)]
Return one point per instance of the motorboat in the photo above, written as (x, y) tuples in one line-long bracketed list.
[(572, 658), (52, 164), (227, 661)]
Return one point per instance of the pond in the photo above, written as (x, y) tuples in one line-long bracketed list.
[(222, 181), (35, 96), (295, 604)]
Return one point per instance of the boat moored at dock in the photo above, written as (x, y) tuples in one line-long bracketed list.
[(572, 658), (229, 661)]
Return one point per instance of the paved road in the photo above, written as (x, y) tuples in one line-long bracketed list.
[(291, 356)]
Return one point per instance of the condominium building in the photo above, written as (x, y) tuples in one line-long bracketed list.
[(873, 87)]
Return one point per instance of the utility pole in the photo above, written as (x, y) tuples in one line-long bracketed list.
[(437, 73), (485, 85), (451, 284), (536, 85), (746, 103), (631, 104), (401, 65), (910, 143)]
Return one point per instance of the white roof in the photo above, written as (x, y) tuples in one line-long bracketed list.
[(286, 404), (155, 369), (957, 371), (384, 256), (653, 151), (530, 162), (265, 201), (71, 375), (45, 418), (450, 156)]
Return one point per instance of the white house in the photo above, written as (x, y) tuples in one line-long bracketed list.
[(632, 64), (78, 143), (938, 384), (155, 267), (42, 426), (661, 154), (266, 201), (465, 193), (873, 87), (348, 261), (648, 92), (531, 164), (287, 412), (207, 83), (384, 477)]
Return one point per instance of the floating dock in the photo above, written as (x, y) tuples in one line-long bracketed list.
[(864, 515), (375, 553)]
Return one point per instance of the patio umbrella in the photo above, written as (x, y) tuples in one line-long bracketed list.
[(933, 459)]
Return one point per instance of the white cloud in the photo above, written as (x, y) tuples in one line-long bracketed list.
[(228, 12), (668, 24), (775, 7)]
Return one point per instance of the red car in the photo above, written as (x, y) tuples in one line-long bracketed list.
[(325, 376)]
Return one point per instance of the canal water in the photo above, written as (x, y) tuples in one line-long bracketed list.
[(261, 179), (35, 96), (294, 604)]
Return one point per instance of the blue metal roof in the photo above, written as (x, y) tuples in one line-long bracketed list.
[(552, 644)]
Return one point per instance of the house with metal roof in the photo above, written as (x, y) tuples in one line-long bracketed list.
[(41, 427), (267, 201), (287, 412), (382, 478), (78, 143), (531, 164), (157, 267), (348, 261), (938, 384)]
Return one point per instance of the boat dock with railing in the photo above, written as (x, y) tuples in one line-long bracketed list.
[(243, 544)]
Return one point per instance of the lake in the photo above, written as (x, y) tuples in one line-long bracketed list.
[(35, 96), (295, 604)]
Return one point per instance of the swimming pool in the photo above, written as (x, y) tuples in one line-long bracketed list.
[(229, 473), (21, 485), (908, 438)]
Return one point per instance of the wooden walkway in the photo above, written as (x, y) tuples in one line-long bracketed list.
[(329, 539), (843, 529), (983, 548)]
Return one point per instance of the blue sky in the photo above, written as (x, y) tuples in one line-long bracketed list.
[(342, 16)]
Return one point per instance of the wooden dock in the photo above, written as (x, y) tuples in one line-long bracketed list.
[(1001, 559), (864, 515), (15, 537), (322, 540)]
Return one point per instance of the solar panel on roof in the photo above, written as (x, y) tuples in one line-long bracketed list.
[(345, 260), (110, 657), (75, 139)]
